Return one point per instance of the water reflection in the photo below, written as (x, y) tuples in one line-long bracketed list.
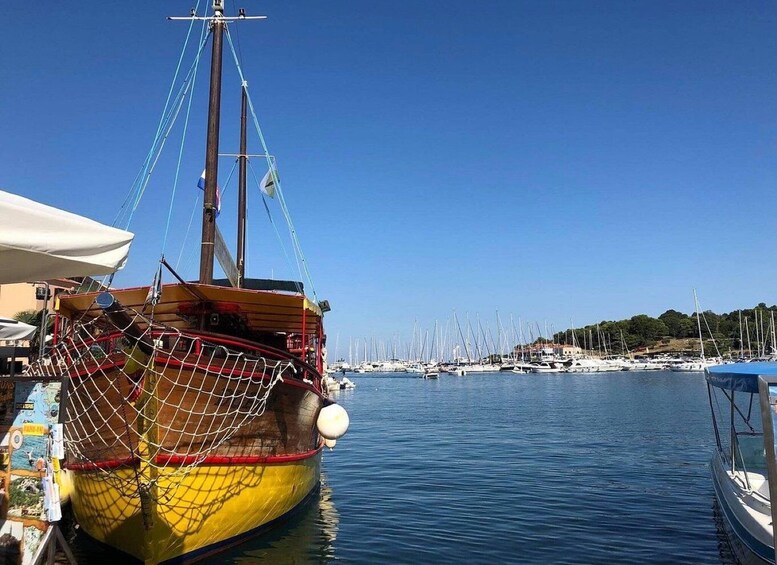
[(308, 537), (724, 540)]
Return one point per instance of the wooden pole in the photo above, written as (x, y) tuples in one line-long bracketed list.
[(241, 194), (212, 152)]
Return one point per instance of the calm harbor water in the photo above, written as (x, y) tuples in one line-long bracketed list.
[(498, 468)]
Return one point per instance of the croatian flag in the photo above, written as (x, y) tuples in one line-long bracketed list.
[(201, 186)]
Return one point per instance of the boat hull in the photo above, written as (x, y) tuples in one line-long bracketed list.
[(746, 523), (207, 509), (183, 440)]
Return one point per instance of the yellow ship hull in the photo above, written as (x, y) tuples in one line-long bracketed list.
[(202, 511), (194, 426)]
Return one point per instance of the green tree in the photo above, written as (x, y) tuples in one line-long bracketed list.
[(647, 329), (676, 322), (34, 318)]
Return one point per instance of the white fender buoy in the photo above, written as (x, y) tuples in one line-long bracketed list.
[(332, 421), (330, 443)]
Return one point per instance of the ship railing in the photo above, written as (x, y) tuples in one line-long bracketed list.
[(108, 347)]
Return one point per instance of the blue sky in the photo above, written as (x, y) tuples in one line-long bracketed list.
[(557, 161)]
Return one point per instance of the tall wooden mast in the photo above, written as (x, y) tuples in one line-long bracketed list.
[(218, 23), (241, 194), (212, 150)]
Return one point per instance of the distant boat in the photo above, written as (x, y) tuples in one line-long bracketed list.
[(330, 383), (547, 367), (588, 365), (695, 365), (481, 368), (739, 466), (643, 365), (346, 384), (522, 368)]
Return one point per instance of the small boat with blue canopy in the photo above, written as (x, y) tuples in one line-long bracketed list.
[(742, 396)]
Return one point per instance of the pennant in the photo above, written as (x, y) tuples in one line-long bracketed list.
[(155, 290), (201, 186), (268, 183)]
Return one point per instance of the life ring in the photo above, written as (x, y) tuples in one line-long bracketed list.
[(17, 439)]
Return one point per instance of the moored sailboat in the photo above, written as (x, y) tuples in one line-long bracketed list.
[(701, 364), (196, 412)]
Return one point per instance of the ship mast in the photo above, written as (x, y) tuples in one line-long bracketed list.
[(241, 192), (212, 148), (698, 323), (218, 23)]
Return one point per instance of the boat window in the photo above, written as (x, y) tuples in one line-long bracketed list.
[(750, 451)]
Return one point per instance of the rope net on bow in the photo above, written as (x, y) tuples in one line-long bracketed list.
[(159, 401)]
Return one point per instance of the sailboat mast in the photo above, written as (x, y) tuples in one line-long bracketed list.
[(241, 191), (698, 322), (212, 149)]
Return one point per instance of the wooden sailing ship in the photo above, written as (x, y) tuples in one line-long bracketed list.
[(196, 415)]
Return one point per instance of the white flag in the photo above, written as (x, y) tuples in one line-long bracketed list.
[(268, 183)]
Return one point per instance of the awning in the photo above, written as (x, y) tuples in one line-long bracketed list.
[(742, 377), (11, 330), (38, 242)]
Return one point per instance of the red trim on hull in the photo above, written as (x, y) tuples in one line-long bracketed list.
[(237, 459), (190, 459)]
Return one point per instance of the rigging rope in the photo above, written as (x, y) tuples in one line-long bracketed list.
[(170, 113), (297, 248), (707, 324), (160, 126), (188, 229), (172, 117), (272, 222), (194, 210), (183, 142)]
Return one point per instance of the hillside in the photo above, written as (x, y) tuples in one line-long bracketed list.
[(751, 330)]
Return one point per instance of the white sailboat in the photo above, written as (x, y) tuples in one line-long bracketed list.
[(696, 365)]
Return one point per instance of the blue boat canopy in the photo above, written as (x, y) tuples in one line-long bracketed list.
[(742, 377)]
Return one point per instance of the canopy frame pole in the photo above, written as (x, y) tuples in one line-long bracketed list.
[(733, 435), (714, 419), (766, 386), (731, 400)]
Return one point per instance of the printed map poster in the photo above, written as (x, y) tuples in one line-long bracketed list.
[(28, 410)]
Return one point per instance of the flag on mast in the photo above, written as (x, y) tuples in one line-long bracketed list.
[(201, 186), (268, 182)]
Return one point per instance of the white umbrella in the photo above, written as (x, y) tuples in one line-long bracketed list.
[(12, 330), (38, 242)]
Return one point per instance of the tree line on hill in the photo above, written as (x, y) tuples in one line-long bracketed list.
[(751, 330)]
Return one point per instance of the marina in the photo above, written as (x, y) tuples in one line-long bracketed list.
[(518, 469)]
